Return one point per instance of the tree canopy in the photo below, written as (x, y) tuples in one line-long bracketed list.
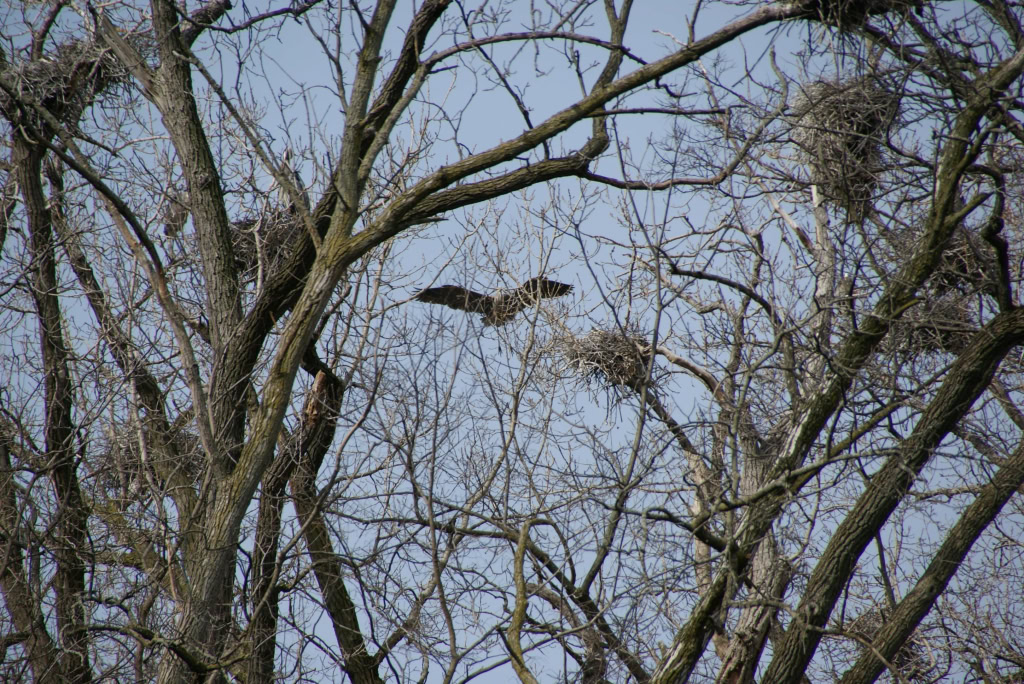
[(744, 407)]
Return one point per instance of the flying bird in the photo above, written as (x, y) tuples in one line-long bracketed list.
[(500, 308)]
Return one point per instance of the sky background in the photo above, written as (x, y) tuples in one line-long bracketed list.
[(288, 88)]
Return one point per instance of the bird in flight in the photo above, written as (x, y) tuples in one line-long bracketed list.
[(500, 308)]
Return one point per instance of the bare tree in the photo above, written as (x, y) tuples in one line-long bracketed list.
[(753, 414)]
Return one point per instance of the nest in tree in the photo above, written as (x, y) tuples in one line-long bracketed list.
[(612, 357), (911, 661), (267, 238), (968, 266), (65, 80), (943, 324), (839, 126), (123, 467), (849, 14)]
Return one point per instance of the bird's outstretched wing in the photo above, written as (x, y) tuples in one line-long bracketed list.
[(457, 298), (500, 308), (538, 288), (511, 302)]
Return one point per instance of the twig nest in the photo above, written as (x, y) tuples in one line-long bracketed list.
[(849, 14), (66, 79), (839, 126), (968, 266), (614, 358), (123, 464), (911, 661), (270, 235), (939, 325)]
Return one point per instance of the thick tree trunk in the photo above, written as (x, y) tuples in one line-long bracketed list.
[(70, 534), (908, 614), (963, 384)]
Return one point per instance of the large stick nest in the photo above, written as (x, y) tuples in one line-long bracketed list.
[(847, 15), (968, 265), (614, 358), (911, 661), (124, 468), (65, 80), (839, 126), (942, 325), (267, 238), (947, 317)]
